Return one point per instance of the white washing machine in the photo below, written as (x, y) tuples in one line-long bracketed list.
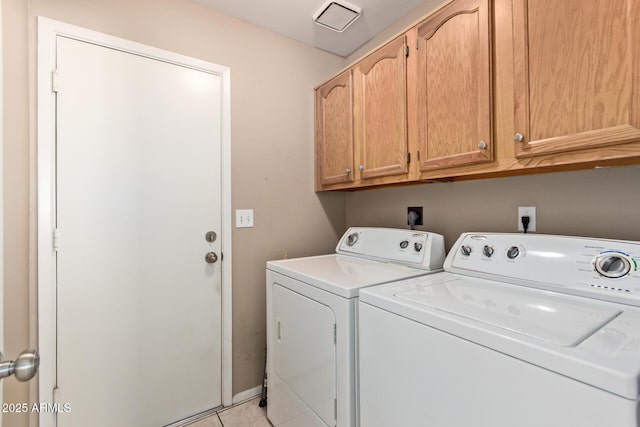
[(311, 320), (520, 330)]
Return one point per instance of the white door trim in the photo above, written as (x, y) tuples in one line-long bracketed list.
[(48, 31), (1, 205)]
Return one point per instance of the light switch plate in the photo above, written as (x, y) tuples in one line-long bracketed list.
[(244, 218)]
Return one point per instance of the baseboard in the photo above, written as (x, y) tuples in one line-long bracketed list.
[(247, 394)]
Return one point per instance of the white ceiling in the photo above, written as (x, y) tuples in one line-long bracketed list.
[(294, 19)]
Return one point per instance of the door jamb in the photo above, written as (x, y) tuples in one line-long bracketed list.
[(48, 31), (1, 205)]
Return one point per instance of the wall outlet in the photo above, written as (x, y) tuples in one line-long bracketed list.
[(529, 211), (417, 215), (244, 218)]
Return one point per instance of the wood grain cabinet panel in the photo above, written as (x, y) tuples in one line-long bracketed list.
[(576, 75), (334, 131), (454, 86), (380, 116)]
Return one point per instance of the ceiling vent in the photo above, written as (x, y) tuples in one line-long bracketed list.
[(337, 16)]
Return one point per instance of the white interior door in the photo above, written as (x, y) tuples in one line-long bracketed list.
[(138, 186)]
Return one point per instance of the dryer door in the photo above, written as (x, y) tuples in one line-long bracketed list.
[(305, 350)]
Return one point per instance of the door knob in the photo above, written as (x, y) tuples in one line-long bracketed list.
[(24, 367), (211, 257)]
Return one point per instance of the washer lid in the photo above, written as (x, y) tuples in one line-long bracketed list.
[(342, 275), (554, 318)]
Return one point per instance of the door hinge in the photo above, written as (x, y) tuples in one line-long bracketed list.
[(408, 157), (418, 155), (56, 240), (335, 409), (406, 50), (55, 81), (417, 44), (335, 334)]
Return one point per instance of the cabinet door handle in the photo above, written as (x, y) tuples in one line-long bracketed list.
[(360, 168), (518, 137), (482, 145), (347, 171)]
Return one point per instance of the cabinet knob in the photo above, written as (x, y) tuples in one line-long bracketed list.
[(360, 168), (482, 145), (518, 137), (347, 171)]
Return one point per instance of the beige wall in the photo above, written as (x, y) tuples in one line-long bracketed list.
[(596, 203), (16, 194), (272, 78)]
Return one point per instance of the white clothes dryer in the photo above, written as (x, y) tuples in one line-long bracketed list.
[(520, 330), (311, 320)]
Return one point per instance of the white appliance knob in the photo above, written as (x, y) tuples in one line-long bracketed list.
[(487, 251), (465, 250), (404, 244), (612, 266), (417, 246), (513, 252)]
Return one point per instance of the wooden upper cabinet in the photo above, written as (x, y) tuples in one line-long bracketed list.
[(576, 74), (334, 131), (454, 86), (380, 112)]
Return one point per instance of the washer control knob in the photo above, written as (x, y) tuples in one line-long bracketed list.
[(352, 239), (487, 251), (513, 252), (404, 244), (417, 246), (465, 250), (612, 266)]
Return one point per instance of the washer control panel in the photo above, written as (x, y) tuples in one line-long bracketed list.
[(598, 268), (419, 249)]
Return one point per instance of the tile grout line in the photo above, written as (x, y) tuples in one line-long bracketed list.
[(219, 419)]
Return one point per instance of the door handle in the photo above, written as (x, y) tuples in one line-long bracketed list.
[(24, 367), (211, 257)]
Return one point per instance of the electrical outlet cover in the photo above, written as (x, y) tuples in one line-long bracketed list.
[(417, 210), (529, 211)]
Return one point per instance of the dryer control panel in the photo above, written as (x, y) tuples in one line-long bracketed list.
[(418, 249), (597, 268)]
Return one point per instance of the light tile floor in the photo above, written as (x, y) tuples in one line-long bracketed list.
[(247, 414)]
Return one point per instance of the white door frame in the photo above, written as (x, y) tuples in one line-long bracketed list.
[(1, 205), (48, 31)]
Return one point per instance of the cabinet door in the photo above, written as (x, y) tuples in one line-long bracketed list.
[(334, 131), (576, 74), (380, 112), (454, 86)]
